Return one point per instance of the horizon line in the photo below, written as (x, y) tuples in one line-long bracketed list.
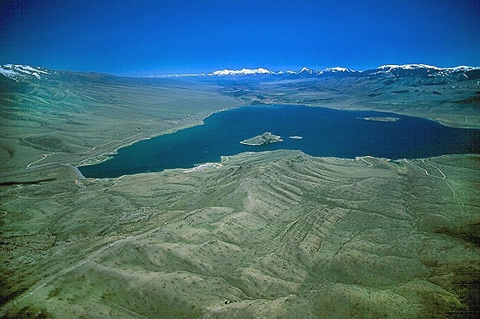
[(239, 70)]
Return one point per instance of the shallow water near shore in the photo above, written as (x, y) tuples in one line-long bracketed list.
[(323, 132)]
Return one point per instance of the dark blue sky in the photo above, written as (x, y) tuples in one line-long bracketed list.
[(164, 37)]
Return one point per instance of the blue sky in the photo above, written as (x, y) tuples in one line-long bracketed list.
[(164, 37)]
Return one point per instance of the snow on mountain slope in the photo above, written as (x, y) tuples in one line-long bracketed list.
[(462, 68), (19, 71), (305, 70), (433, 70), (243, 71), (336, 69), (404, 69), (16, 71), (390, 67)]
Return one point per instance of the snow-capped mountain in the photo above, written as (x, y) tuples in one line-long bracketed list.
[(418, 69), (462, 68), (391, 67), (305, 70), (388, 69), (243, 71), (19, 72), (16, 71), (336, 69)]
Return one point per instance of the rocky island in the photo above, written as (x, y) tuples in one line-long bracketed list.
[(381, 119), (263, 139)]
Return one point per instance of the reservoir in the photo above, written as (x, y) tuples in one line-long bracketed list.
[(313, 130)]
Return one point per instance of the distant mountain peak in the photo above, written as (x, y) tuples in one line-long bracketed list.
[(431, 70), (16, 71), (20, 72), (463, 68), (336, 69), (243, 71), (305, 70), (302, 71), (408, 67)]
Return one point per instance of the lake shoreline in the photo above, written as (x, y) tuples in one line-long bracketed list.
[(382, 118), (107, 153)]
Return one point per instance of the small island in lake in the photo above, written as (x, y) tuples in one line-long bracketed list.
[(265, 138), (381, 119)]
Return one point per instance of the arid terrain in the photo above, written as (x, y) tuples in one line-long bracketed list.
[(259, 235)]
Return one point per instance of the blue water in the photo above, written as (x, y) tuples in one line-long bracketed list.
[(325, 132)]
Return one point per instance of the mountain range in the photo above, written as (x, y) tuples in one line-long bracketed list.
[(423, 70), (17, 72)]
